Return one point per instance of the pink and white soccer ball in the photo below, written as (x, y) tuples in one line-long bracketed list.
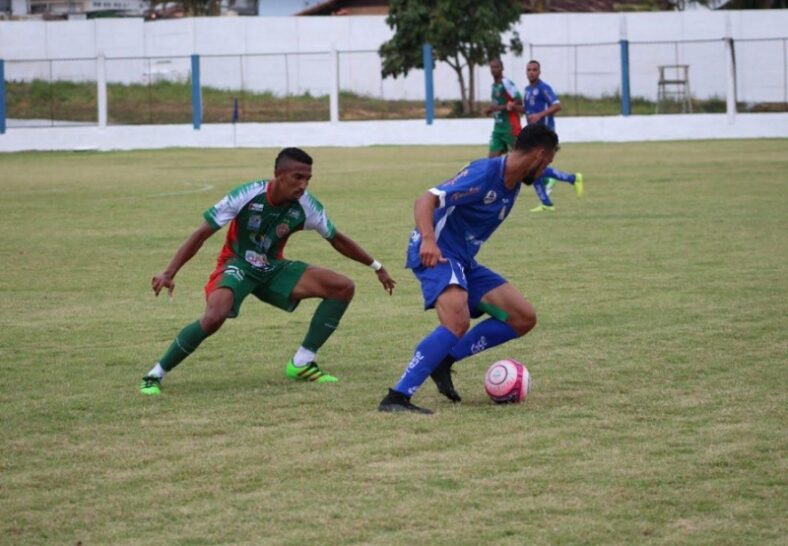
[(507, 381)]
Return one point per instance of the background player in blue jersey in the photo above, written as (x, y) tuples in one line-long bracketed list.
[(453, 220), (541, 104)]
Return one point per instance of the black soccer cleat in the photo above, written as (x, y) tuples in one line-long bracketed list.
[(395, 402), (442, 377)]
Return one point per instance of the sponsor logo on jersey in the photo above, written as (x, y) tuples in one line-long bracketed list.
[(263, 243), (294, 213), (257, 260), (234, 272), (282, 230), (258, 207), (460, 195), (490, 197), (254, 222)]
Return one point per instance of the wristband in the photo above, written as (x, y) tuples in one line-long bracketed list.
[(376, 265)]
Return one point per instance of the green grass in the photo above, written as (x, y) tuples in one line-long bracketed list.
[(658, 414), (170, 102)]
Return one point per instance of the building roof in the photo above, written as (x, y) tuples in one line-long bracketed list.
[(348, 7), (381, 7)]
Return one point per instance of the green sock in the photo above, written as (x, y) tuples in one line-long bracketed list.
[(326, 319), (186, 342)]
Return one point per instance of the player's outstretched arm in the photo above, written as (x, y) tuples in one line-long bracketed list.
[(185, 252), (351, 249)]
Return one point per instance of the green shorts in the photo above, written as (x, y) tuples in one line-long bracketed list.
[(273, 286), (501, 142)]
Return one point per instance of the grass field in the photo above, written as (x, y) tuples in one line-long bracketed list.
[(658, 414), (170, 102)]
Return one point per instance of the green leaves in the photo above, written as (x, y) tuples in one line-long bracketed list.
[(463, 33)]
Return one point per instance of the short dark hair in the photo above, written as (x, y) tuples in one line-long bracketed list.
[(292, 154), (536, 136), (534, 61)]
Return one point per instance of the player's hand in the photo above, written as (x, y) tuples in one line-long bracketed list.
[(163, 280), (509, 105), (386, 280), (430, 254), (534, 118)]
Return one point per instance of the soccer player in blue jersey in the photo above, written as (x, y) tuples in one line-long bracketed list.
[(453, 220), (541, 104)]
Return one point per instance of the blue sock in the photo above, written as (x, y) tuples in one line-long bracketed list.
[(541, 191), (426, 357), (561, 176), (486, 334)]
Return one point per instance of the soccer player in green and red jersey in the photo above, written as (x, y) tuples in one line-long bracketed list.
[(506, 108), (261, 216)]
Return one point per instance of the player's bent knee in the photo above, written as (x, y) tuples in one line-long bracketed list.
[(458, 327), (218, 308), (211, 322), (523, 323), (346, 289)]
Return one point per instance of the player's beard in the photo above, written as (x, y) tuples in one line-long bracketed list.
[(530, 176)]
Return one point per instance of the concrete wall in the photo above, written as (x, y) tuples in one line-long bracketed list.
[(408, 132), (579, 52)]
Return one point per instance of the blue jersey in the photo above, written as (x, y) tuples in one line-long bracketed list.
[(472, 206), (538, 98)]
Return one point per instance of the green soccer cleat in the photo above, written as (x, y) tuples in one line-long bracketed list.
[(579, 189), (541, 208), (309, 372), (150, 385)]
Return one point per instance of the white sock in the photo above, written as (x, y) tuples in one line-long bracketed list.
[(303, 357), (158, 371)]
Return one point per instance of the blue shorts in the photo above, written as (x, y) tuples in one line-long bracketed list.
[(477, 280)]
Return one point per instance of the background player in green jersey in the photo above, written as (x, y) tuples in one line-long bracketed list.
[(506, 108), (261, 216)]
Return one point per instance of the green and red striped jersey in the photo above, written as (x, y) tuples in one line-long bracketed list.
[(259, 230)]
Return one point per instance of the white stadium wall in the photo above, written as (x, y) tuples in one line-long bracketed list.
[(290, 55), (579, 52)]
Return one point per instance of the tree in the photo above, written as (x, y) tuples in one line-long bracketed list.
[(463, 33), (190, 7)]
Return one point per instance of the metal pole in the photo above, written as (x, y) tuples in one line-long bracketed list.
[(101, 91), (2, 97), (626, 106), (730, 60), (333, 81), (785, 74), (429, 100), (196, 93)]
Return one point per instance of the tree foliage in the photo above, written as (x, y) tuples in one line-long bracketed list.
[(463, 33), (194, 8)]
